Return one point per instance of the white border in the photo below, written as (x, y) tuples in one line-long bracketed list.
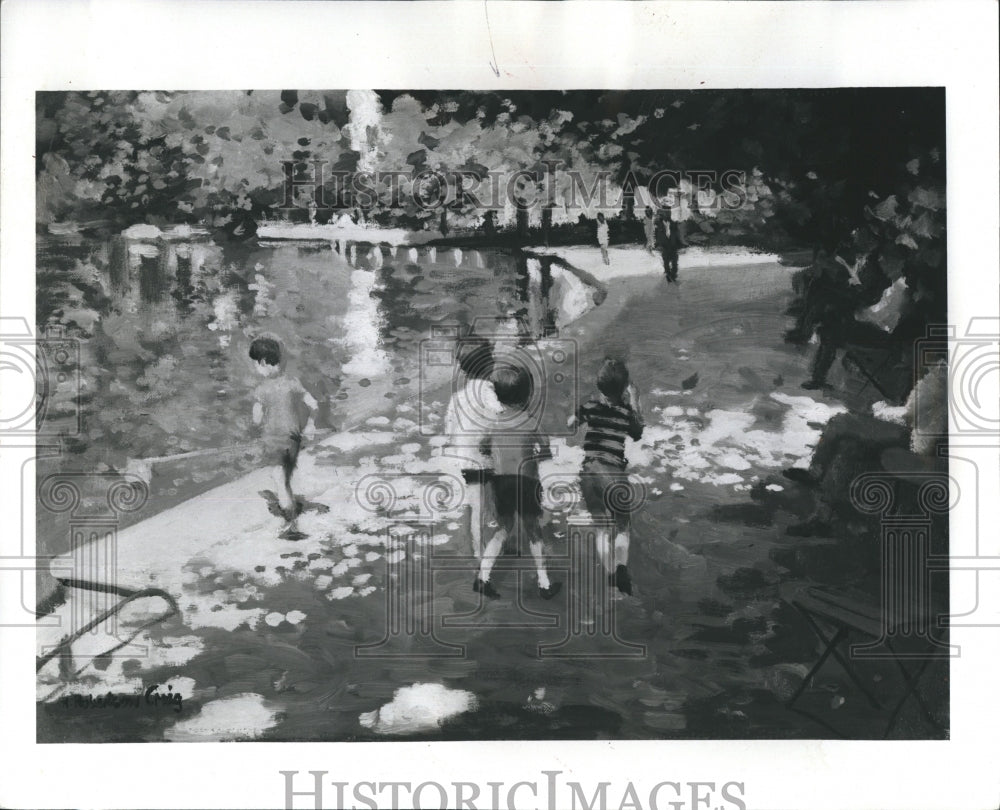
[(173, 45)]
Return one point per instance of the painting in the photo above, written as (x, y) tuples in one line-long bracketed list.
[(443, 415)]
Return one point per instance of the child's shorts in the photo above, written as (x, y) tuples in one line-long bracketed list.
[(607, 493), (476, 475), (518, 499), (479, 483)]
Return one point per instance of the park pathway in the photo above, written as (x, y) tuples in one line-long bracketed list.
[(281, 641)]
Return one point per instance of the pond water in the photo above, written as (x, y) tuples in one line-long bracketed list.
[(164, 329)]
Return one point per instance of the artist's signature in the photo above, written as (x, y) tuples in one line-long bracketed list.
[(152, 698)]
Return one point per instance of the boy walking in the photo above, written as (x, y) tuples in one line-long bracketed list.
[(516, 486), (610, 416), (281, 412)]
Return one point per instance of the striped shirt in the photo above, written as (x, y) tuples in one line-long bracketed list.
[(607, 426)]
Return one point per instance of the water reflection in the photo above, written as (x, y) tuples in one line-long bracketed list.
[(165, 365), (364, 325)]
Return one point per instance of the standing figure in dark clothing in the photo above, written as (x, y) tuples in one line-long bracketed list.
[(489, 225), (670, 244)]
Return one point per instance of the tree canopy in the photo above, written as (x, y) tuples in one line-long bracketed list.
[(812, 158)]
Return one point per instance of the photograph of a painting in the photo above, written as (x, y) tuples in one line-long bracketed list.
[(492, 415)]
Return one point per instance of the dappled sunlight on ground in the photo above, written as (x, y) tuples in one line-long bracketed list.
[(267, 642)]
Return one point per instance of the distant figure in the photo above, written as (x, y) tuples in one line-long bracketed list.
[(602, 237), (489, 224), (547, 222), (610, 417), (467, 421), (649, 228), (312, 212), (516, 484), (281, 412), (670, 244)]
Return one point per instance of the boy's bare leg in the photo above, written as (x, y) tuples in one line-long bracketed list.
[(537, 553), (530, 529), (291, 510), (546, 589), (490, 554), (288, 491), (280, 489), (475, 519), (602, 539), (291, 530), (621, 577)]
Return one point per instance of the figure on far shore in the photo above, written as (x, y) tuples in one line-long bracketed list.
[(602, 237), (489, 224), (670, 244)]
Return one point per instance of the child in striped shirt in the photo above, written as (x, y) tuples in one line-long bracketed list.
[(610, 416)]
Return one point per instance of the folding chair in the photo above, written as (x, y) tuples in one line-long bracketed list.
[(852, 613)]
